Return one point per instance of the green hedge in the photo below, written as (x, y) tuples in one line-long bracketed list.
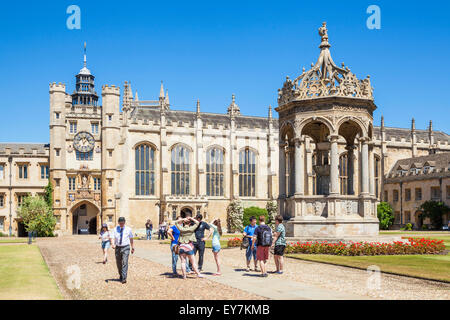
[(253, 211)]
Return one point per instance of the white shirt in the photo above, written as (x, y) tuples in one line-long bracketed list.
[(126, 235), (105, 236)]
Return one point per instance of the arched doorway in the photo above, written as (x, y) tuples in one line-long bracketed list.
[(184, 211), (85, 218), (418, 220)]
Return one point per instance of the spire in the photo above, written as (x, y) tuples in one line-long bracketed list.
[(270, 112), (85, 60), (430, 128), (161, 91), (413, 125), (382, 123), (167, 97), (233, 109), (198, 105), (127, 95), (137, 97)]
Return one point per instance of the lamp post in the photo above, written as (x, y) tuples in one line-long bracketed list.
[(10, 158)]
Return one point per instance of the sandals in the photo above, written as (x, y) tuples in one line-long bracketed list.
[(217, 274)]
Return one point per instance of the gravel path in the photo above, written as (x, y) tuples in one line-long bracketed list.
[(340, 279), (146, 280), (150, 280)]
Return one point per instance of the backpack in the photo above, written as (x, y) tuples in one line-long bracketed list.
[(266, 237)]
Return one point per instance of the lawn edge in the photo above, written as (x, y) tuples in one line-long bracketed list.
[(360, 268), (50, 273)]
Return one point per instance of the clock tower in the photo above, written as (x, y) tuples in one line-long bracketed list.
[(76, 154)]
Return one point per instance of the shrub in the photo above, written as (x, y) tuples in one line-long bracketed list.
[(234, 216), (434, 210), (253, 211), (424, 227), (385, 214), (414, 246), (272, 210), (3, 234), (37, 216), (408, 227), (234, 242)]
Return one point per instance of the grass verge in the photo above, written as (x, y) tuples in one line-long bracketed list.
[(25, 275)]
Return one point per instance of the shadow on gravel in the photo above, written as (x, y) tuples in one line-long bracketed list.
[(114, 280), (257, 275)]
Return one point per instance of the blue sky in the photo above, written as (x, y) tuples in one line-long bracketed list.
[(209, 50)]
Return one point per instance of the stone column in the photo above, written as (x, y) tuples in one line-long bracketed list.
[(365, 166), (334, 170), (371, 171), (282, 170), (287, 169), (299, 167), (350, 169)]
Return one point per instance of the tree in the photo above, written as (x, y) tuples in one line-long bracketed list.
[(385, 215), (253, 211), (434, 210), (37, 216), (272, 210), (235, 214), (48, 196)]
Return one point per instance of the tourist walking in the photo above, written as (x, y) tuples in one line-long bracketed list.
[(162, 230), (186, 241), (279, 242), (105, 235), (216, 234), (263, 237), (174, 235), (149, 229), (250, 251), (199, 244), (123, 239)]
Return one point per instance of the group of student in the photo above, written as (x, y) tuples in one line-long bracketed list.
[(188, 238)]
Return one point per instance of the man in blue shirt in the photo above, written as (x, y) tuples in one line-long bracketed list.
[(249, 231), (174, 234)]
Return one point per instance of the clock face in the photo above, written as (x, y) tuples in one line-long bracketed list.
[(84, 142)]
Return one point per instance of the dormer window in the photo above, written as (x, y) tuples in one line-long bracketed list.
[(426, 169)]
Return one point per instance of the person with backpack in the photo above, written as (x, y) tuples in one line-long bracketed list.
[(279, 243), (250, 251), (263, 238)]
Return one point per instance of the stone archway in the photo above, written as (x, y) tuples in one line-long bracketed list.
[(185, 210), (85, 218)]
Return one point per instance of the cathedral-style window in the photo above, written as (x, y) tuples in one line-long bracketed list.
[(343, 173), (145, 170), (214, 172), (84, 156), (247, 173), (180, 171), (377, 169)]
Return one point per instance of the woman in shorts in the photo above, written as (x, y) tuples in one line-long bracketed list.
[(105, 235), (186, 242), (217, 233)]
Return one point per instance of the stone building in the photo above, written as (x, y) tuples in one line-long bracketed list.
[(143, 160), (413, 181)]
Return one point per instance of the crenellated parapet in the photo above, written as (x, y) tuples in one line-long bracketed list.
[(106, 89)]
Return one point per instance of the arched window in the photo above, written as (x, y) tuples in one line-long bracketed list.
[(145, 170), (343, 173), (180, 170), (377, 170), (214, 172), (247, 173)]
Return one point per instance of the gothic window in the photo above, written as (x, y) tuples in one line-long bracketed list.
[(377, 171), (145, 170), (343, 173), (71, 183), (314, 177), (44, 171), (247, 173), (73, 127), (180, 171), (94, 127), (23, 171), (97, 184), (214, 172), (418, 195)]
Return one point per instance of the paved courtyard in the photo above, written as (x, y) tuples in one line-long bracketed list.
[(150, 267)]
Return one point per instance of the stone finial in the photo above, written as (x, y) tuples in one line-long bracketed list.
[(430, 128), (127, 95), (270, 112), (136, 98), (382, 122), (413, 124), (198, 105), (233, 109), (167, 98), (161, 91)]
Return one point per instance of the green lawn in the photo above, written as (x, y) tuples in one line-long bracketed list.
[(25, 275), (20, 240), (434, 267)]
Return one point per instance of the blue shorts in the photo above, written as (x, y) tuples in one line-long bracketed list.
[(106, 244), (216, 248), (249, 253), (189, 253)]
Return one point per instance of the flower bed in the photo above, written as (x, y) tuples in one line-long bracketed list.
[(234, 242), (414, 246)]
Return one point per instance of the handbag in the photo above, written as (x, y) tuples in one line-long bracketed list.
[(245, 243)]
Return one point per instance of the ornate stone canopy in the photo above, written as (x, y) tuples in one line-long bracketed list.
[(325, 79)]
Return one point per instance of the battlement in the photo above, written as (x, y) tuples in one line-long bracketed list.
[(57, 87), (106, 89)]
